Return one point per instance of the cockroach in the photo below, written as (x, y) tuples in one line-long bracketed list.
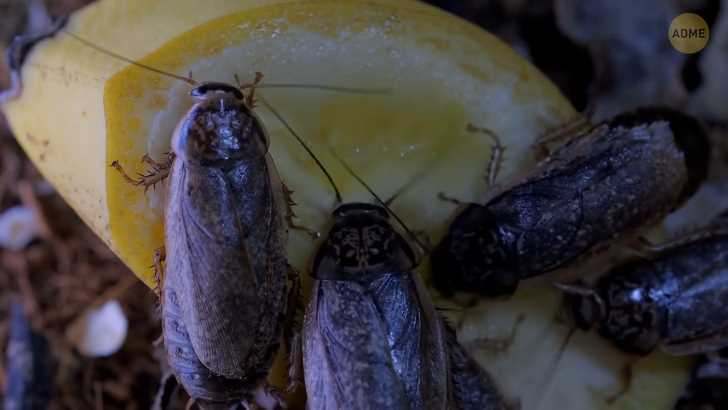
[(673, 298), (226, 284), (372, 337), (619, 177), (708, 385), (472, 387), (228, 294)]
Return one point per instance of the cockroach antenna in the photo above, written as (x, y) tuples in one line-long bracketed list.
[(100, 49), (406, 186), (334, 88), (189, 80), (304, 145), (248, 86), (383, 203)]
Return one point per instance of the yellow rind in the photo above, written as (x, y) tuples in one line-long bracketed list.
[(64, 81), (135, 231)]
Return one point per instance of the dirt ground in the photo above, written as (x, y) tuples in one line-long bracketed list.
[(66, 270)]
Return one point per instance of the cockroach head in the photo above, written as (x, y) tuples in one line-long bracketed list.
[(202, 91), (583, 303), (219, 128), (362, 244), (360, 210), (475, 256)]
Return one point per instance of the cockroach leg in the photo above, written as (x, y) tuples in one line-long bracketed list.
[(292, 334), (445, 197), (715, 368), (250, 406), (265, 397), (715, 357), (165, 164), (643, 247), (159, 171), (496, 155), (290, 214), (250, 98), (423, 236), (627, 375), (160, 255), (168, 388), (295, 362), (560, 134), (501, 344)]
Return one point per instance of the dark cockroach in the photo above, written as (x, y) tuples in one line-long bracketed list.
[(227, 291), (30, 366), (472, 387), (226, 284), (619, 177), (372, 338), (674, 299)]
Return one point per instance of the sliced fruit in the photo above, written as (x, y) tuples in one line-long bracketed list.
[(82, 109)]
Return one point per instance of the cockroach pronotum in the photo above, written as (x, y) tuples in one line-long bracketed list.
[(619, 177), (372, 337)]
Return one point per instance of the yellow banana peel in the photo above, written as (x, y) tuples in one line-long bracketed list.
[(80, 109)]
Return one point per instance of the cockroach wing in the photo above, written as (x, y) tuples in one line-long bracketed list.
[(609, 182), (472, 386), (696, 319), (219, 278), (197, 379), (347, 361), (416, 338)]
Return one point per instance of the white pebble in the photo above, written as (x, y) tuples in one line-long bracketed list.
[(99, 332), (18, 226)]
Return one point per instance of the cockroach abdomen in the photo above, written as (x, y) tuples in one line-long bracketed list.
[(197, 379), (473, 388), (689, 135)]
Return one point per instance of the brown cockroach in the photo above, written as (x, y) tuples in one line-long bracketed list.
[(228, 294)]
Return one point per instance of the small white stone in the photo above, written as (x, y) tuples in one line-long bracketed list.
[(99, 332), (18, 226)]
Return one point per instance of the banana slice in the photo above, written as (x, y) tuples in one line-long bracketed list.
[(81, 109)]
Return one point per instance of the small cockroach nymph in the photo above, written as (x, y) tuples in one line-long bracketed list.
[(372, 337), (619, 177), (228, 294), (674, 299)]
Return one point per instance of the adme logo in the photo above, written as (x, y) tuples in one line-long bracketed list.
[(688, 33)]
